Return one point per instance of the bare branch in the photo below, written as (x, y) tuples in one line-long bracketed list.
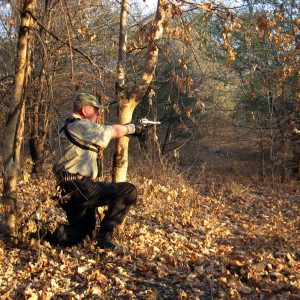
[(67, 43)]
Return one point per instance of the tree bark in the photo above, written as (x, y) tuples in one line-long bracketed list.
[(121, 155), (128, 103), (38, 127), (14, 125)]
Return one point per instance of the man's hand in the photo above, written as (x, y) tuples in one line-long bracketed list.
[(135, 129), (138, 128)]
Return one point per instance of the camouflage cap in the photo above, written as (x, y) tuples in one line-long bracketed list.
[(87, 99)]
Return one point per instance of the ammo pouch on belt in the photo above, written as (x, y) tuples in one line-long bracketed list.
[(65, 177)]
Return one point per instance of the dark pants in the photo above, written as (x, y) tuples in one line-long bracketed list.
[(86, 196)]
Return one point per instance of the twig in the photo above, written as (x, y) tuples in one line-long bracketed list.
[(68, 43)]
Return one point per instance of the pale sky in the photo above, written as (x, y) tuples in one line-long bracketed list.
[(150, 5)]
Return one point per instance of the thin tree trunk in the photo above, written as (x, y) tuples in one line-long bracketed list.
[(38, 129), (262, 168), (284, 157), (13, 132), (271, 132), (283, 131), (121, 155), (127, 104), (262, 159)]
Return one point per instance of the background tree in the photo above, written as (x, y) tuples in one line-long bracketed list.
[(39, 92), (251, 65), (198, 67), (68, 57), (8, 35), (137, 91), (15, 120), (267, 64)]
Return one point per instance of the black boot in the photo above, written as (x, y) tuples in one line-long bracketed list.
[(105, 240)]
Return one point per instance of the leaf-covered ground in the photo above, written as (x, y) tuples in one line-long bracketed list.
[(182, 241)]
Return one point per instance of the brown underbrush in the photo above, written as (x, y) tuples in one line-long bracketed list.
[(204, 232)]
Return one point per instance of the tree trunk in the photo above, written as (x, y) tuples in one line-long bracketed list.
[(36, 148), (121, 155), (14, 125), (127, 104), (296, 155), (284, 136), (284, 157), (38, 103)]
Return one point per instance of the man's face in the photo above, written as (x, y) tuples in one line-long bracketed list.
[(91, 113)]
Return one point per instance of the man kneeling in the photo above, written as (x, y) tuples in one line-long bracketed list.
[(80, 142)]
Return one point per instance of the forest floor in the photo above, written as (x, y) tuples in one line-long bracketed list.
[(211, 236)]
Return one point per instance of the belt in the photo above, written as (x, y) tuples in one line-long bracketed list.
[(64, 176)]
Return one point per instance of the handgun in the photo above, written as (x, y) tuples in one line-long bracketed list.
[(146, 122)]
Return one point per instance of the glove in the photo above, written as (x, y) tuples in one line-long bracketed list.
[(139, 129), (135, 129)]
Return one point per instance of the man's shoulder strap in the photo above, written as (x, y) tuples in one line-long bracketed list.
[(72, 140), (67, 122)]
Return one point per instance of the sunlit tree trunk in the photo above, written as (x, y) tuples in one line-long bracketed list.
[(128, 101), (14, 125), (125, 112)]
